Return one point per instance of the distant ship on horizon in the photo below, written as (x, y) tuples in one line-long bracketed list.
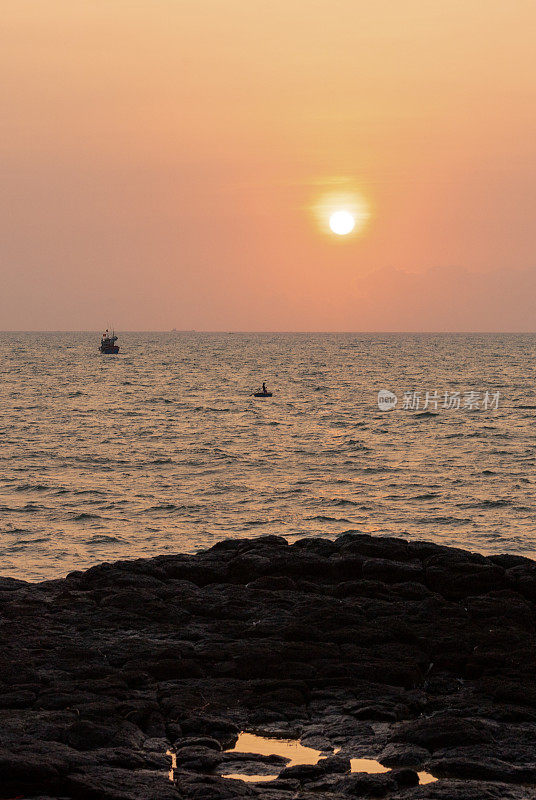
[(108, 343), (183, 330)]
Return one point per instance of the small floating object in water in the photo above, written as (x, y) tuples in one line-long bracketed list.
[(108, 343), (263, 392)]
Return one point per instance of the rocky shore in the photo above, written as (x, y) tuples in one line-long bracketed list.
[(422, 657)]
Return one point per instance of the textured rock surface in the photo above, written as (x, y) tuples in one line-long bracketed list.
[(419, 655)]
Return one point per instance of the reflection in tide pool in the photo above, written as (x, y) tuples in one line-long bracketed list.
[(291, 749), (296, 753), (374, 767)]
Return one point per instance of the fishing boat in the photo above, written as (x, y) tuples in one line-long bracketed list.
[(108, 343), (262, 392)]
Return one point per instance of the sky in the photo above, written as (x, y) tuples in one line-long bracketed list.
[(173, 163)]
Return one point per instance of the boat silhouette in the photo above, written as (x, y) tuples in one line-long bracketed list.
[(108, 343), (263, 392)]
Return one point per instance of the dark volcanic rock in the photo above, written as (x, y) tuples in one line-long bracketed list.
[(303, 772), (485, 769), (197, 758), (88, 735), (405, 777), (465, 790), (334, 764), (21, 772), (418, 655), (403, 755), (119, 784), (199, 741), (362, 785), (446, 731)]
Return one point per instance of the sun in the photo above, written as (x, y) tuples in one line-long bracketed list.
[(342, 210), (342, 222)]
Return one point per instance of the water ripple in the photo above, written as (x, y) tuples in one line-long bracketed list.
[(163, 449)]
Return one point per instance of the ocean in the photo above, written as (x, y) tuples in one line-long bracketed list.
[(163, 449)]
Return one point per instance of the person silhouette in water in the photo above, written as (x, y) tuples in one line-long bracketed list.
[(264, 389)]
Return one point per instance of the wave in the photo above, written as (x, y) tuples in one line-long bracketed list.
[(211, 409), (11, 529), (382, 469), (164, 433), (356, 444), (31, 487), (485, 504), (444, 520), (174, 507), (29, 508), (103, 539)]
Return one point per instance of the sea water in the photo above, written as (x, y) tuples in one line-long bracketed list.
[(162, 448)]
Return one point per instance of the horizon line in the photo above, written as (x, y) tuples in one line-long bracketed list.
[(282, 331)]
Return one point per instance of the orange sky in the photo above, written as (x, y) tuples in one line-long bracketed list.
[(161, 160)]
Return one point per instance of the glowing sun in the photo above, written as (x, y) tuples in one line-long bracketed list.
[(341, 210), (342, 222)]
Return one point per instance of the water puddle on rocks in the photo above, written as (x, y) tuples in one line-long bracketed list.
[(374, 767), (173, 767), (293, 752), (291, 749)]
